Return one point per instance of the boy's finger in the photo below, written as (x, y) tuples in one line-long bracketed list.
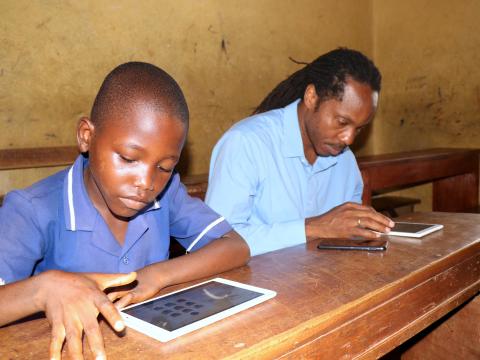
[(105, 281), (124, 301), (95, 339), (56, 342), (74, 342), (110, 313)]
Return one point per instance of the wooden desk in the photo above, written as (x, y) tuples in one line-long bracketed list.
[(329, 304)]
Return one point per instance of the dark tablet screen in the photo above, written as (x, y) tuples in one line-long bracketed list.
[(410, 227), (187, 306)]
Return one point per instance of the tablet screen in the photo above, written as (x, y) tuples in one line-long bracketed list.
[(182, 308), (410, 227)]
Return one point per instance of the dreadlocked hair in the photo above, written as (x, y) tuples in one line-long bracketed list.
[(328, 73)]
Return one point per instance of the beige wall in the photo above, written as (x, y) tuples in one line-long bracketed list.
[(54, 55), (429, 54), (226, 55)]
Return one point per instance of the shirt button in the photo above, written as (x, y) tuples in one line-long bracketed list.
[(125, 260)]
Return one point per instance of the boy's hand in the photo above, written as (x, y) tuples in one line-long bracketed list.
[(72, 302), (147, 285), (348, 220)]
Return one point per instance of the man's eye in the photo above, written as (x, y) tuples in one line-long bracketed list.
[(162, 169)]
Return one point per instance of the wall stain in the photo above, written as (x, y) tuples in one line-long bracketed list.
[(43, 23), (223, 46), (416, 82)]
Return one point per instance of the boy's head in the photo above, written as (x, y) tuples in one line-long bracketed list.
[(133, 138), (137, 81)]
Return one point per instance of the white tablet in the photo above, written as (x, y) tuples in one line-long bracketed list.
[(416, 230), (169, 316)]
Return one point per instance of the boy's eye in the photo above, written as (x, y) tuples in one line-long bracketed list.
[(342, 121), (126, 159)]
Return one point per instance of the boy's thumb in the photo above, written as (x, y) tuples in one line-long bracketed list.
[(105, 281)]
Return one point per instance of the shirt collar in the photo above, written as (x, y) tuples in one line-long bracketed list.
[(292, 144), (80, 214)]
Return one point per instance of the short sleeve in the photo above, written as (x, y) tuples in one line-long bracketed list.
[(192, 223), (21, 241)]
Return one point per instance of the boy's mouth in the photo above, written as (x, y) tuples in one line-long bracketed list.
[(134, 203)]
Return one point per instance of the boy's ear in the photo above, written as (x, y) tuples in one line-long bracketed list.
[(85, 130), (310, 97)]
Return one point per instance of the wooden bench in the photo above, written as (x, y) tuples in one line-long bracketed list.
[(453, 172)]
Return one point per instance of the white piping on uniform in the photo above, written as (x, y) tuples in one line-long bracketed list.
[(70, 200), (211, 225)]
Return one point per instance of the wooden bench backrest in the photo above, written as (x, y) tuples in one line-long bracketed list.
[(454, 172)]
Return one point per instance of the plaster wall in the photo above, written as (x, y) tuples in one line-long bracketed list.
[(429, 53), (226, 56)]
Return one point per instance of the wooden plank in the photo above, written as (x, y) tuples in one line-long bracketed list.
[(30, 158), (438, 343)]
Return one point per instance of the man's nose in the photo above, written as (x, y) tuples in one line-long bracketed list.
[(348, 136)]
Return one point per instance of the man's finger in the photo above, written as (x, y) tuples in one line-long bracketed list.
[(366, 234), (369, 223)]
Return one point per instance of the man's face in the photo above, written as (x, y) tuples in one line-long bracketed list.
[(131, 158), (332, 124)]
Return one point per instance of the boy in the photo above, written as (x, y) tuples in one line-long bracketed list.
[(113, 212)]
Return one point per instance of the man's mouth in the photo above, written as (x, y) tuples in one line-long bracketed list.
[(335, 149)]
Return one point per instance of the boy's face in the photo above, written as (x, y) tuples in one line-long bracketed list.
[(131, 158)]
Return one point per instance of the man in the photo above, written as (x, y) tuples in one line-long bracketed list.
[(286, 175)]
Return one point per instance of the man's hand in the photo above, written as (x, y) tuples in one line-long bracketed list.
[(72, 302), (348, 220)]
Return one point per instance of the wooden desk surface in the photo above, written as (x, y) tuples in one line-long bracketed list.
[(329, 304)]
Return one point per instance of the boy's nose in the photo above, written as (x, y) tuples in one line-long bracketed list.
[(145, 179)]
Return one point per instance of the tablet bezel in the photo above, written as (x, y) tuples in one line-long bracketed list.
[(431, 228), (166, 335)]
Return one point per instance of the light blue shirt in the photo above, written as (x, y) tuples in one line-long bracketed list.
[(54, 225), (262, 183)]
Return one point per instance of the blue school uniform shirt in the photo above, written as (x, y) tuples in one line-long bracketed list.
[(262, 183), (54, 225)]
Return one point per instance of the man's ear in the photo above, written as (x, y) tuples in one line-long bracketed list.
[(310, 97), (85, 130)]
